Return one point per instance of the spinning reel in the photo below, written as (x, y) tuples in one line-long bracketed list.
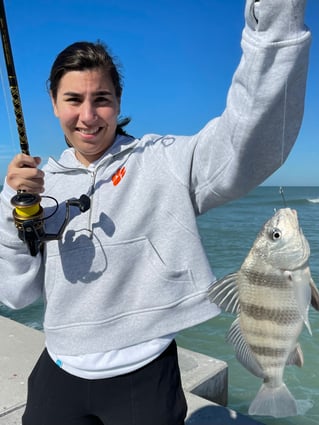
[(29, 218)]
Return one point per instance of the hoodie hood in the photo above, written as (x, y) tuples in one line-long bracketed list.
[(69, 162)]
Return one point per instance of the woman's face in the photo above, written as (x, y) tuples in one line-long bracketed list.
[(87, 108)]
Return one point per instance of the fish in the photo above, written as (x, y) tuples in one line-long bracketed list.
[(271, 295)]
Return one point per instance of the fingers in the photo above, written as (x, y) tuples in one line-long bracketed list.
[(21, 160), (23, 174)]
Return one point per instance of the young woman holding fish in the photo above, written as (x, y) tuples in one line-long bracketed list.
[(131, 272)]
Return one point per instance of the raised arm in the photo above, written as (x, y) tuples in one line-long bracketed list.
[(265, 105)]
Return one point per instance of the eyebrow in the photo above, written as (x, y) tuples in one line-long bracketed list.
[(97, 93)]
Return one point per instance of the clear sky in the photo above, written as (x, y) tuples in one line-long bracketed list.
[(177, 59)]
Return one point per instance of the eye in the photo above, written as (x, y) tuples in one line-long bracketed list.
[(276, 234), (102, 100), (73, 100)]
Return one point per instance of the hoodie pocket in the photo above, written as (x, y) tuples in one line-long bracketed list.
[(113, 280)]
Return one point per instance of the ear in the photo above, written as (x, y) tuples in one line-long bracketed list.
[(55, 109)]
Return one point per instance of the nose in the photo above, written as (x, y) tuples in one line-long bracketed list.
[(88, 113)]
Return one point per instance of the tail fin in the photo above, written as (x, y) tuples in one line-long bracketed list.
[(277, 402)]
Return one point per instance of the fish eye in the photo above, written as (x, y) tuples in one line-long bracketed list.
[(276, 234)]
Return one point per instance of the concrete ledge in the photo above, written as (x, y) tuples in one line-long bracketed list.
[(205, 383), (20, 347), (204, 376), (12, 418)]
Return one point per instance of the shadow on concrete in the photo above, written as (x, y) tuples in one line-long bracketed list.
[(218, 415)]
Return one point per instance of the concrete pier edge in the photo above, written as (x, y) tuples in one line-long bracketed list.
[(205, 379)]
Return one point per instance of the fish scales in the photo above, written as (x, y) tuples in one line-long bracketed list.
[(282, 317), (271, 294), (263, 333)]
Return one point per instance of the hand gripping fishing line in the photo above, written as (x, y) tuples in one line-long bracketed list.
[(28, 214)]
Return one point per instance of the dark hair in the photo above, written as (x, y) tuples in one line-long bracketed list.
[(82, 56)]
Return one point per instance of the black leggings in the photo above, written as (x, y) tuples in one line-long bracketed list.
[(152, 395)]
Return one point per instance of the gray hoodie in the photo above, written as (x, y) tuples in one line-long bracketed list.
[(133, 267)]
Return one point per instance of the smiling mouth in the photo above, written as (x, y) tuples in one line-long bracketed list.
[(89, 132)]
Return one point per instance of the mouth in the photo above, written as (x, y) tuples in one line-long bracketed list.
[(89, 131)]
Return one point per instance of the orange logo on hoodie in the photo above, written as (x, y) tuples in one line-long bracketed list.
[(117, 177)]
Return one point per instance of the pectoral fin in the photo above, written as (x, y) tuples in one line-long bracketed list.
[(314, 295), (224, 293), (300, 279)]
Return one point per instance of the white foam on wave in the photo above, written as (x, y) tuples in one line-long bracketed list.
[(313, 200)]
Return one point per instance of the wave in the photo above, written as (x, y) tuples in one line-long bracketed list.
[(301, 201), (288, 202)]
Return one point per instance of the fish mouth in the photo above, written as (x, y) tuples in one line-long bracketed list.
[(304, 246), (302, 252)]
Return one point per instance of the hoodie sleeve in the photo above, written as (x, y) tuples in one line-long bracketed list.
[(21, 274), (239, 150)]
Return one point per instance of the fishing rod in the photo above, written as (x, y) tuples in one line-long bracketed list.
[(13, 82), (28, 214)]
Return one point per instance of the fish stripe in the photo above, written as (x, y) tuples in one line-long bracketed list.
[(269, 351), (281, 317), (256, 278), (260, 333)]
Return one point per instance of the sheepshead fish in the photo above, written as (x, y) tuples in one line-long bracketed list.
[(271, 294)]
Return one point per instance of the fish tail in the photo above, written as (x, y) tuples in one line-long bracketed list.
[(277, 402)]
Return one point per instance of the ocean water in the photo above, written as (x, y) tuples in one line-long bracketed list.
[(228, 232)]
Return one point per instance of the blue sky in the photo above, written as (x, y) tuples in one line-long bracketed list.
[(177, 60)]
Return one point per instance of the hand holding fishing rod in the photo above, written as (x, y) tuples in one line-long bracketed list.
[(23, 174)]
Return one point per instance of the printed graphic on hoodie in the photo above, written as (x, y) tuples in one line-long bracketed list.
[(117, 177)]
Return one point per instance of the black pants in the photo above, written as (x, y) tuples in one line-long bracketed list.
[(151, 395)]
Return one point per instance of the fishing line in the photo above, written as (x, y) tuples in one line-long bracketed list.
[(283, 135), (281, 191), (284, 123)]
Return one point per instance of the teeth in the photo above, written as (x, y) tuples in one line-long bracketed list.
[(89, 131)]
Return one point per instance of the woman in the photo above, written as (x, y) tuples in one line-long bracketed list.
[(131, 271)]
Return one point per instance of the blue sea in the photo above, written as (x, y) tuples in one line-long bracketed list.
[(228, 232)]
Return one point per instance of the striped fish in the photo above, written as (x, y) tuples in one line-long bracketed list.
[(270, 294)]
